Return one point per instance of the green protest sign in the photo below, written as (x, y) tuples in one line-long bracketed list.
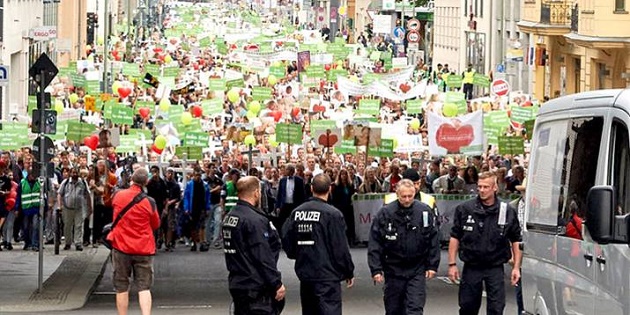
[(152, 69), (523, 114), (212, 106), (492, 134), (496, 119), (146, 104), (261, 93), (385, 149), (77, 130), (139, 133), (369, 107), (32, 104), (65, 72), (195, 138), (14, 136), (511, 145), (192, 153), (62, 127), (222, 48), (122, 114), (339, 51), (171, 71), (369, 78), (347, 146), (375, 55), (93, 87), (205, 42), (333, 74), (289, 133), (323, 124), (414, 106), (278, 72), (459, 99), (235, 83), (529, 127), (77, 80), (316, 71), (215, 84), (131, 69), (454, 81), (175, 114), (127, 144), (481, 80)]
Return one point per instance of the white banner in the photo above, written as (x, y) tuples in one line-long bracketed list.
[(379, 89), (382, 24), (456, 135), (365, 208), (290, 55)]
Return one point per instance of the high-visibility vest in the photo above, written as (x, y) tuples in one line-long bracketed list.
[(30, 195), (469, 76), (231, 198)]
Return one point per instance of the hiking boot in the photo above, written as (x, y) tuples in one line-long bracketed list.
[(193, 248), (66, 247), (79, 248)]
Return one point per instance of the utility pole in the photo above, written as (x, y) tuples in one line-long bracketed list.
[(105, 48), (81, 18), (128, 12)]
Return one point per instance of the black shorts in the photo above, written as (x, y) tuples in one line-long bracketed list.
[(123, 265), (3, 212)]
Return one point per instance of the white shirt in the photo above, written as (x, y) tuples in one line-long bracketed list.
[(290, 190)]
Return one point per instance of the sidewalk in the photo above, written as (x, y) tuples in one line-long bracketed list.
[(69, 278)]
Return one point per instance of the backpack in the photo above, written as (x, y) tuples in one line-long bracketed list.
[(69, 196)]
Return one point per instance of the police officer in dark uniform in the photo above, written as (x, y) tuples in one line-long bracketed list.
[(252, 248), (485, 233), (315, 236), (403, 251)]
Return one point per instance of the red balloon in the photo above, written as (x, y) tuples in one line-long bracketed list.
[(115, 53), (161, 57), (196, 66), (196, 111), (9, 202), (156, 150), (117, 58), (277, 115), (295, 111), (144, 112), (124, 91), (91, 142), (327, 67), (157, 49)]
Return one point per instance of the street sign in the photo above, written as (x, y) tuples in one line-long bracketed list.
[(46, 65), (500, 87), (413, 25), (413, 36), (48, 126), (4, 75), (500, 68), (49, 149), (398, 32)]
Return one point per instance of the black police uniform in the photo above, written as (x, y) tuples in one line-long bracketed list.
[(403, 246), (315, 236), (252, 248), (484, 246)]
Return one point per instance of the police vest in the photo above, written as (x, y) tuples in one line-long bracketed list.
[(30, 195), (469, 76), (231, 198)]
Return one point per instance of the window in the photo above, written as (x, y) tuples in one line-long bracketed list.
[(620, 168), (620, 5), (559, 152), (465, 7), (481, 8), (476, 8)]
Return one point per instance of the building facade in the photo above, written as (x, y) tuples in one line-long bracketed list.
[(571, 53)]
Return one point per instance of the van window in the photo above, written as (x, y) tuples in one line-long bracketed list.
[(563, 169), (620, 168)]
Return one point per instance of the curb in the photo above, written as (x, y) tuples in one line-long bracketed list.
[(65, 289)]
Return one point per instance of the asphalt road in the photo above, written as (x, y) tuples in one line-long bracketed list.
[(196, 283)]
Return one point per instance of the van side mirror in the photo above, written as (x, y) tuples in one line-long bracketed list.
[(600, 213)]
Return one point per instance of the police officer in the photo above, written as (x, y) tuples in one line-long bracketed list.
[(315, 236), (403, 251), (252, 247), (485, 233)]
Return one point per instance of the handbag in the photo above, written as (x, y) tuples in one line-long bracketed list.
[(107, 229)]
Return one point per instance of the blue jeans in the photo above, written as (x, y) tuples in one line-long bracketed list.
[(7, 229), (30, 229), (519, 297), (213, 226)]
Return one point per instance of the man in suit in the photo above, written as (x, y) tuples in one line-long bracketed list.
[(290, 194)]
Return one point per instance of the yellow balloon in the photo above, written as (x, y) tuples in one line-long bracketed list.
[(115, 87), (165, 104), (415, 124), (160, 142), (250, 140), (100, 40), (342, 10), (233, 95), (168, 59), (450, 110), (186, 118), (272, 80), (272, 141), (73, 98), (58, 106)]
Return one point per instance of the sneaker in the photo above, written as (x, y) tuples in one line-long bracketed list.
[(35, 248), (50, 242), (217, 245), (9, 246), (79, 248), (26, 247), (193, 248), (66, 247), (204, 247)]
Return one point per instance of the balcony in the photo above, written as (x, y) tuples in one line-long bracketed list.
[(556, 13)]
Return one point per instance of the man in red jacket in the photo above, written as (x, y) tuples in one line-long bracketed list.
[(133, 243)]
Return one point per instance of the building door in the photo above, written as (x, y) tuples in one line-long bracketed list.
[(577, 72)]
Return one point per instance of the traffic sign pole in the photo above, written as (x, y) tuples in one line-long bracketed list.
[(42, 183)]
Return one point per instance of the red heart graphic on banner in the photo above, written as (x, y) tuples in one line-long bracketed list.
[(276, 115), (319, 108), (91, 142), (328, 140), (405, 87), (124, 91), (144, 112), (454, 138)]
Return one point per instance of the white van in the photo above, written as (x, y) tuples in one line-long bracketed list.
[(580, 157)]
